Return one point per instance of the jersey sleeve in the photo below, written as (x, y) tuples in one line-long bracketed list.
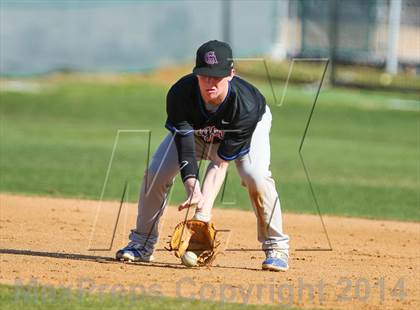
[(176, 121), (183, 135)]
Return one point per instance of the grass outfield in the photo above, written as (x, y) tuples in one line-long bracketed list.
[(25, 297), (361, 151)]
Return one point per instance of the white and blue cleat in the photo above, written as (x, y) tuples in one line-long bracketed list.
[(133, 253), (275, 261)]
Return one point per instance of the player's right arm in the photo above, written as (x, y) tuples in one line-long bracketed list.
[(177, 123)]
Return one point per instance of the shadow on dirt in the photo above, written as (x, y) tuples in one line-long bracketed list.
[(109, 260)]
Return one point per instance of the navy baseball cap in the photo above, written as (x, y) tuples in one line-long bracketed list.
[(214, 58)]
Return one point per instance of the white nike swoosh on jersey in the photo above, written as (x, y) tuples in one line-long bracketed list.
[(224, 122), (183, 164)]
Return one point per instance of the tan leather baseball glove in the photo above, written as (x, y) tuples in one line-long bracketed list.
[(195, 236)]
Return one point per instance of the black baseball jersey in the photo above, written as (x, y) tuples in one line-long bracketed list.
[(232, 124)]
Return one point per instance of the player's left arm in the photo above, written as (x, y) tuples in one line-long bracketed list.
[(213, 181)]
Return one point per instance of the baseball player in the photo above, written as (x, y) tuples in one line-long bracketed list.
[(217, 116)]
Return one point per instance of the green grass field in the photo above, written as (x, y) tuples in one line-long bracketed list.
[(45, 298), (308, 71), (362, 149)]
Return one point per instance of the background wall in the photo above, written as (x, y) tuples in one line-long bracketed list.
[(127, 35), (122, 36)]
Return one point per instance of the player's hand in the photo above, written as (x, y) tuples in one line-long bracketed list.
[(195, 197)]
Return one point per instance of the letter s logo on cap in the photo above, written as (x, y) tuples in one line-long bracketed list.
[(210, 58)]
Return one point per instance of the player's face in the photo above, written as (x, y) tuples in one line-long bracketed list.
[(214, 89)]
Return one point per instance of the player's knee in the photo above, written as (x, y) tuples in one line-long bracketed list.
[(156, 176), (254, 182), (149, 173)]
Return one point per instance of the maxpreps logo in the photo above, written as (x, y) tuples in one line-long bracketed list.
[(208, 134)]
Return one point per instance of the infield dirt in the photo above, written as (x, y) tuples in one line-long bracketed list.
[(372, 264)]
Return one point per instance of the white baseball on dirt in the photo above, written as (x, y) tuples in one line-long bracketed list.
[(189, 259)]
